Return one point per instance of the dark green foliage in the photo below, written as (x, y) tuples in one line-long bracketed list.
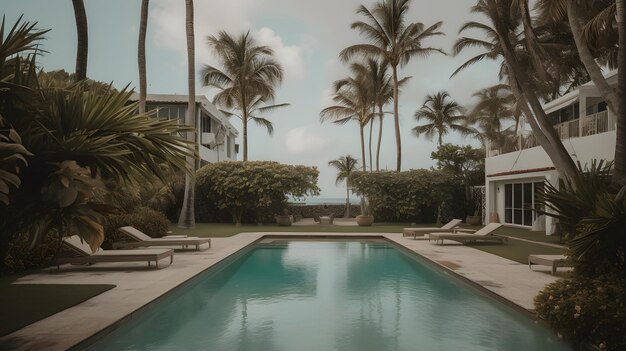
[(586, 310), (151, 222), (592, 214), (250, 188), (410, 196)]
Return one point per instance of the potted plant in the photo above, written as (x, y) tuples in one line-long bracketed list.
[(365, 219)]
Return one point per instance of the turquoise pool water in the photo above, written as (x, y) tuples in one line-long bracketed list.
[(328, 295)]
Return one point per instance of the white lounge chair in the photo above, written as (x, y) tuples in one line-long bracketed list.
[(553, 261), (415, 232), (85, 255), (484, 235), (143, 240)]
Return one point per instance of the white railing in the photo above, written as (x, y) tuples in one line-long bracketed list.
[(600, 122), (569, 129), (597, 123)]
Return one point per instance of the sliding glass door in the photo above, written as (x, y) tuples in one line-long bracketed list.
[(520, 200)]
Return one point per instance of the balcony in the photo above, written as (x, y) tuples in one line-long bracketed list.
[(600, 122)]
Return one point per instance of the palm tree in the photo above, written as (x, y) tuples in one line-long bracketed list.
[(376, 74), (346, 166), (141, 54), (353, 102), (443, 115), (247, 81), (82, 39), (395, 41), (187, 215), (496, 105)]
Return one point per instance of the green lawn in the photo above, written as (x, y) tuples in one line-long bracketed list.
[(528, 235), (24, 304), (517, 250)]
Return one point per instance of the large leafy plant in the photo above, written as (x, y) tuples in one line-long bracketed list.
[(592, 214), (251, 185), (58, 141)]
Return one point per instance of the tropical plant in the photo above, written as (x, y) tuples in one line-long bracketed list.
[(82, 48), (75, 136), (345, 165), (408, 196), (239, 186), (353, 98), (394, 41), (141, 54), (496, 105), (523, 67), (247, 81), (187, 218), (443, 115)]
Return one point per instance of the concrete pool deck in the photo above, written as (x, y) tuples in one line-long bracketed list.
[(137, 285)]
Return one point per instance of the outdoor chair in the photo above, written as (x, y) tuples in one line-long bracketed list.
[(415, 232), (483, 235), (142, 240), (554, 261), (86, 256)]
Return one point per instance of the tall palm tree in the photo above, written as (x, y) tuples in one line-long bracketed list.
[(376, 74), (141, 54), (82, 39), (395, 41), (443, 114), (187, 214), (346, 166), (353, 103), (496, 105), (247, 81)]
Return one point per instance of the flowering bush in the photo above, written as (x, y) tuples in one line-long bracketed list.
[(586, 311)]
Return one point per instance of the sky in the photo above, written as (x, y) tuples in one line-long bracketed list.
[(306, 37)]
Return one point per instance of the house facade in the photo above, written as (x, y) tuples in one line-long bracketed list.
[(216, 136), (514, 175)]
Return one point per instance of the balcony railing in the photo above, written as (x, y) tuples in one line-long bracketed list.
[(600, 122)]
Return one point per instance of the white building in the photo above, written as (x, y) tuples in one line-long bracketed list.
[(216, 136), (512, 177)]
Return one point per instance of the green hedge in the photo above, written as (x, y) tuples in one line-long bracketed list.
[(410, 196), (586, 311), (149, 221), (250, 191)]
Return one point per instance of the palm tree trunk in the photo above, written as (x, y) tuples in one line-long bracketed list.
[(141, 55), (619, 173), (347, 198), (362, 146), (82, 39), (537, 118), (244, 118), (396, 119), (370, 139), (187, 214), (380, 138)]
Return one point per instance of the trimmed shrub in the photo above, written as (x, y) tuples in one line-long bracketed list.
[(21, 256), (149, 221), (410, 196), (586, 311), (252, 190)]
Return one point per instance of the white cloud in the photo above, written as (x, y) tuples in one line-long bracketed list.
[(168, 22), (306, 141)]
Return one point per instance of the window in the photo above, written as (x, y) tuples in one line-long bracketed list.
[(228, 142), (520, 202), (206, 124)]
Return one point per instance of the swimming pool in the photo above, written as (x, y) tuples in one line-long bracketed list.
[(328, 295)]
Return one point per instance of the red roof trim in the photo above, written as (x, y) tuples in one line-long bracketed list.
[(533, 170)]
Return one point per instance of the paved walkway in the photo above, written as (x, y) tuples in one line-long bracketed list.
[(136, 285)]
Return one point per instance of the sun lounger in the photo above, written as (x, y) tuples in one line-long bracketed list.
[(142, 240), (415, 232), (553, 261), (78, 247), (483, 235)]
